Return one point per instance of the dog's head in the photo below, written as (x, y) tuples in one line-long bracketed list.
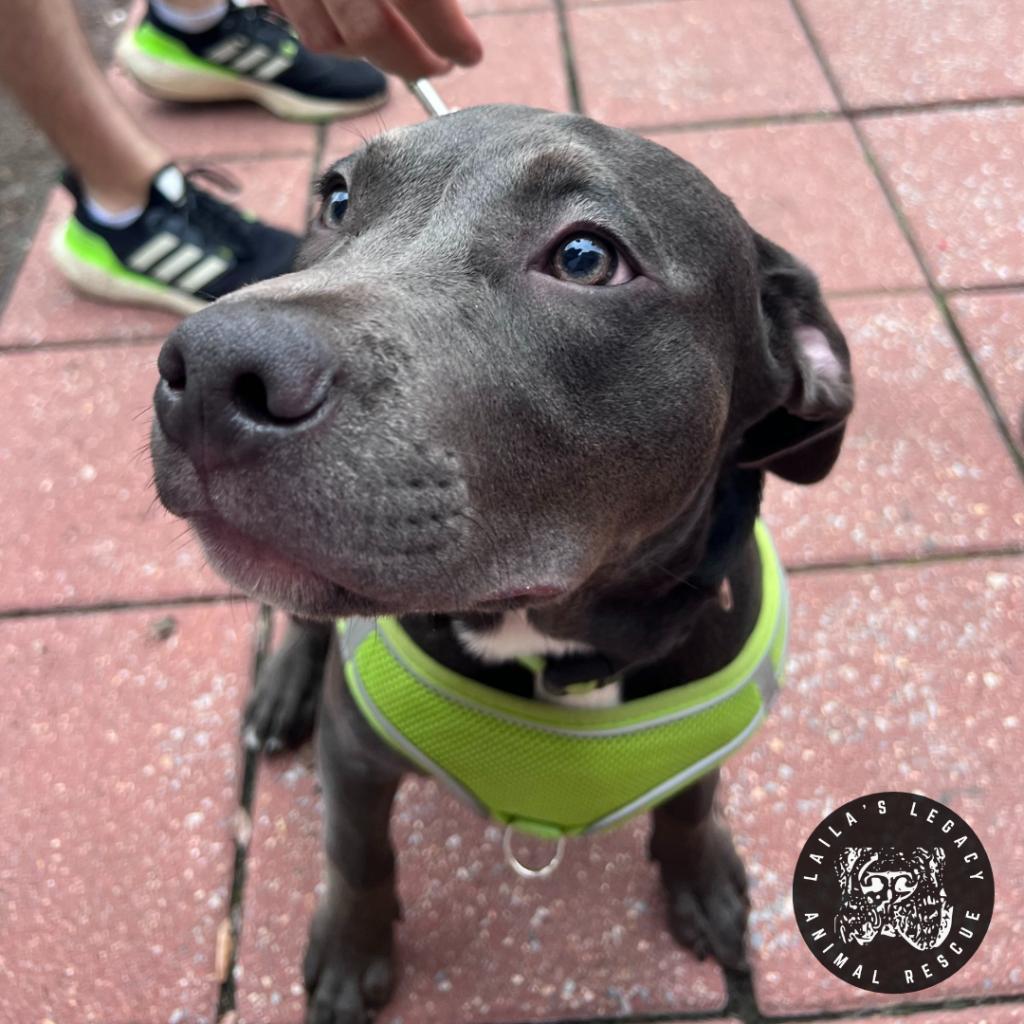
[(518, 347)]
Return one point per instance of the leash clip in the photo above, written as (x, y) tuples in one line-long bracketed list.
[(520, 868)]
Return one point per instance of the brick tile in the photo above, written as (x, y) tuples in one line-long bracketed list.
[(43, 307), (923, 468), (118, 769), (78, 521), (477, 944), (959, 176), (993, 327), (807, 187), (1007, 1014), (918, 51), (904, 678), (212, 131), (667, 63), (522, 64)]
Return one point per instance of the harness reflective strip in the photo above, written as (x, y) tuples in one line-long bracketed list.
[(155, 249), (202, 274), (398, 739), (664, 790), (256, 54), (274, 67), (177, 262)]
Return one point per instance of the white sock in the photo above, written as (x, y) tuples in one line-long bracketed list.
[(189, 21), (111, 218)]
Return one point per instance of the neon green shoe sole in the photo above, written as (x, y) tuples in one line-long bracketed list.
[(92, 268), (166, 69)]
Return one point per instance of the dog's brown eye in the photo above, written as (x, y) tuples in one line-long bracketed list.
[(333, 210), (584, 259)]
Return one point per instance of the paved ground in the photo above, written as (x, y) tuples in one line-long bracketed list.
[(883, 142)]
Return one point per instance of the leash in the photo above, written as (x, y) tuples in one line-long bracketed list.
[(423, 89)]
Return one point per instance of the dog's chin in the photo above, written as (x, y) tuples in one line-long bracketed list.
[(276, 579), (273, 577)]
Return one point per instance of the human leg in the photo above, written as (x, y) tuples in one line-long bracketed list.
[(46, 63)]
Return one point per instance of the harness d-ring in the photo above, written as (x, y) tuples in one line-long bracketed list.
[(520, 868)]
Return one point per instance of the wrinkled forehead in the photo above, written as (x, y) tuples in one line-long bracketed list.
[(526, 164), (489, 153)]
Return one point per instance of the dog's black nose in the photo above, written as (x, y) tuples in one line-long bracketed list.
[(236, 378)]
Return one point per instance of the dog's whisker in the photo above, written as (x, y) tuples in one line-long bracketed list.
[(675, 576)]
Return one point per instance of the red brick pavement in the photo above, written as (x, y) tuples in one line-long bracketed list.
[(882, 142)]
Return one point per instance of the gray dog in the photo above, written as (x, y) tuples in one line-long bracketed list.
[(521, 392)]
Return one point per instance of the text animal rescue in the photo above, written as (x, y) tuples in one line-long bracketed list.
[(842, 959)]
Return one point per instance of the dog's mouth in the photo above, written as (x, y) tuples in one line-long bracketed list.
[(269, 575), (280, 579)]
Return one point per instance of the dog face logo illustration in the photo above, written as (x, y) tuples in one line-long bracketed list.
[(893, 892)]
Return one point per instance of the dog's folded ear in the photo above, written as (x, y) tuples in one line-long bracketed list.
[(799, 440)]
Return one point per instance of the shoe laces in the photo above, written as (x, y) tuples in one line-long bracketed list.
[(217, 220), (262, 14)]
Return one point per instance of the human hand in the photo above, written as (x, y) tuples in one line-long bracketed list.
[(411, 38)]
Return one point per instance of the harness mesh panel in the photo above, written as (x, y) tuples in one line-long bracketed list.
[(575, 781)]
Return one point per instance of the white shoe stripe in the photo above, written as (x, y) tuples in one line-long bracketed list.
[(155, 249), (226, 50), (178, 262), (274, 67), (202, 274), (254, 55)]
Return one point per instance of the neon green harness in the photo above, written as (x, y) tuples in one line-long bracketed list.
[(552, 770)]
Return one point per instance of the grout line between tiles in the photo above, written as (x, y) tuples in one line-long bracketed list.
[(938, 294), (906, 561), (227, 997), (872, 292), (142, 340), (935, 106), (827, 116), (78, 344), (200, 600), (568, 57), (262, 638), (913, 1012), (744, 121), (985, 289), (125, 605)]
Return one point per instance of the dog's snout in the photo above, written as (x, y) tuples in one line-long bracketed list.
[(235, 380)]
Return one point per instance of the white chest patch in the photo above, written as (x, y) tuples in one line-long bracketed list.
[(516, 638)]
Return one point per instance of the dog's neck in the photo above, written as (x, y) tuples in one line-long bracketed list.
[(513, 636), (637, 620)]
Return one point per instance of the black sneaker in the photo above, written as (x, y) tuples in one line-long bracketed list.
[(186, 248), (252, 54)]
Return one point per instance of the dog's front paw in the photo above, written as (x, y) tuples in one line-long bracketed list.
[(281, 712), (708, 907), (347, 977)]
